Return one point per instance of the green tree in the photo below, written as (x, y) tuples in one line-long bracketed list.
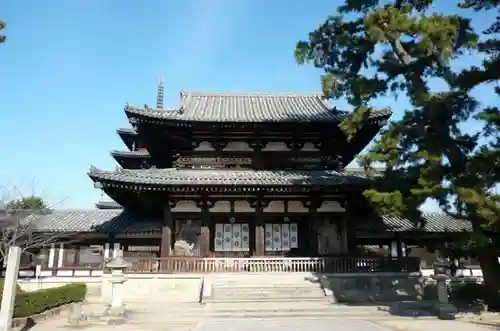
[(371, 50), (19, 225), (2, 36), (27, 203)]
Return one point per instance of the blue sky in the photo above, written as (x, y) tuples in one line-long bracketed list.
[(68, 68)]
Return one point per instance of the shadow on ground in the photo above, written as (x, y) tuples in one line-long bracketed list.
[(399, 295)]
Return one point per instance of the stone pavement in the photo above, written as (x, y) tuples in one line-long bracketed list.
[(149, 317), (430, 325)]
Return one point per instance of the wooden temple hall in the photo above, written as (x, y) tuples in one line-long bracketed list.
[(237, 175)]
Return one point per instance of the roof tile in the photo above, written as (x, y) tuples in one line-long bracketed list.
[(433, 222), (106, 221), (119, 221), (247, 107), (174, 176)]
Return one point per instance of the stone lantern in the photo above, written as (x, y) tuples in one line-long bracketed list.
[(442, 273), (117, 266)]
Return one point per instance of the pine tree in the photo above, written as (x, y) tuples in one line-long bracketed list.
[(372, 50), (2, 37), (32, 202)]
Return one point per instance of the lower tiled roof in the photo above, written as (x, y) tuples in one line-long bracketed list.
[(229, 177), (119, 221), (105, 221), (433, 222), (137, 154), (108, 205)]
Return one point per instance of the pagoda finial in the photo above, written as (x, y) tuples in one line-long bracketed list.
[(159, 93)]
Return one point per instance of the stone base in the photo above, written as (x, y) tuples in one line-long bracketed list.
[(116, 320), (446, 311), (115, 315)]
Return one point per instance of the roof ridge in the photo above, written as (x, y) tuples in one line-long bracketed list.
[(82, 210), (251, 94), (94, 169), (130, 107)]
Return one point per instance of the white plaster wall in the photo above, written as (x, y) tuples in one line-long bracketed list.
[(156, 288)]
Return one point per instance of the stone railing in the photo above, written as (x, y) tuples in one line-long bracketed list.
[(273, 264)]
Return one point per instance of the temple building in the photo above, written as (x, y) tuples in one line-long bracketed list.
[(237, 175)]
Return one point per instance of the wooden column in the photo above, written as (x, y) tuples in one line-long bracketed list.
[(399, 247), (257, 154), (344, 236), (259, 229), (313, 226), (351, 220), (166, 232), (205, 229)]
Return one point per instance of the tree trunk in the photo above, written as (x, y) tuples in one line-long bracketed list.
[(491, 275)]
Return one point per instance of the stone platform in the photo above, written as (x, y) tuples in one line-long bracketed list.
[(257, 316)]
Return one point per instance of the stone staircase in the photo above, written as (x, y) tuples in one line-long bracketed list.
[(276, 296), (266, 288), (236, 297)]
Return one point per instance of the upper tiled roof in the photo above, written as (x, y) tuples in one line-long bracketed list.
[(118, 221), (239, 107), (229, 177), (433, 222)]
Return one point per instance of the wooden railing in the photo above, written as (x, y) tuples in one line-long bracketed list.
[(220, 265), (273, 264)]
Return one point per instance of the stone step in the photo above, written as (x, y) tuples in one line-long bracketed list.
[(324, 309), (268, 290), (260, 299), (266, 286), (211, 314), (290, 296), (272, 305), (264, 282)]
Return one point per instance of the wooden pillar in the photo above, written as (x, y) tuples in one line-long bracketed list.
[(52, 256), (313, 226), (166, 232), (257, 153), (60, 256), (399, 247), (205, 230), (259, 230), (351, 219), (76, 258), (344, 236)]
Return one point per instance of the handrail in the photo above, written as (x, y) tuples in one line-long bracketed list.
[(274, 264)]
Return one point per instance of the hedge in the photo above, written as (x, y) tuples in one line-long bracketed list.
[(36, 302)]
